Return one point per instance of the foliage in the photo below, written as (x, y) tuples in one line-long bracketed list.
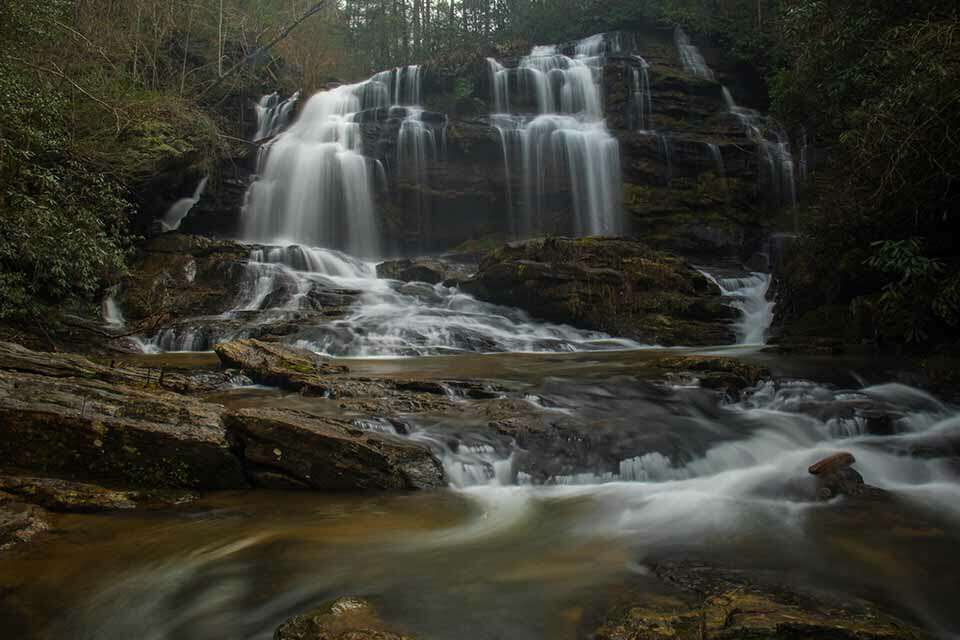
[(877, 84), (63, 225)]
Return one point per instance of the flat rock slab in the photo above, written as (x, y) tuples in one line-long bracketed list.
[(297, 449), (93, 430), (279, 365), (59, 495)]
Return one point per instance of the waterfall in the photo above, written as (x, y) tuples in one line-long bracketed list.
[(112, 313), (273, 114), (748, 295), (179, 209), (777, 177), (640, 97), (314, 183), (420, 143), (690, 56), (565, 145)]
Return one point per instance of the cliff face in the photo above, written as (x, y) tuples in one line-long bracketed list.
[(691, 176)]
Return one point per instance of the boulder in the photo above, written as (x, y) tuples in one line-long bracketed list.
[(92, 430), (279, 365), (286, 449), (832, 464), (617, 286), (343, 619), (408, 270)]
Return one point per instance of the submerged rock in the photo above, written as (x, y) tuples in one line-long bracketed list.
[(613, 285), (279, 365), (287, 449), (19, 522), (691, 601), (343, 619)]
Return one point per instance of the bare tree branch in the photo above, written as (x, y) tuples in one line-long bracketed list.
[(250, 57)]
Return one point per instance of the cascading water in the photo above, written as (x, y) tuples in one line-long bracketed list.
[(179, 209), (566, 146), (273, 114), (690, 56), (641, 99), (420, 144), (776, 166), (748, 294), (387, 318), (315, 184)]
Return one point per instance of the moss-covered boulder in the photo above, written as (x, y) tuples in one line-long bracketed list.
[(605, 284)]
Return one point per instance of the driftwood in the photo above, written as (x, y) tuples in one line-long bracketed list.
[(250, 57)]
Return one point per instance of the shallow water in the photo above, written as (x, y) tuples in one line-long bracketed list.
[(504, 555)]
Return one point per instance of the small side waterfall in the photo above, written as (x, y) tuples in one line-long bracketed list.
[(179, 209), (777, 175), (748, 294), (273, 114), (690, 56), (640, 97), (565, 146)]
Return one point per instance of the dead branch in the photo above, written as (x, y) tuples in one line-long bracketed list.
[(256, 53)]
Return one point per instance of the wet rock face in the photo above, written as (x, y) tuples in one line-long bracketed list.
[(690, 601), (279, 365), (343, 619), (617, 286), (286, 449), (88, 429), (429, 270), (179, 275)]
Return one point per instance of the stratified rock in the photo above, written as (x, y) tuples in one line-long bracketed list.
[(323, 453), (92, 430), (344, 619), (605, 284), (16, 358), (696, 601), (279, 365), (55, 494)]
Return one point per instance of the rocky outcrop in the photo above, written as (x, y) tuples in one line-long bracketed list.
[(59, 495), (698, 601), (429, 270), (93, 430), (343, 619), (16, 358), (617, 286), (286, 449), (279, 365)]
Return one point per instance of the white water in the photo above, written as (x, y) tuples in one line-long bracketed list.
[(789, 426), (690, 56), (748, 295), (315, 185), (389, 318), (273, 114), (566, 145), (179, 209), (641, 98), (112, 313)]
